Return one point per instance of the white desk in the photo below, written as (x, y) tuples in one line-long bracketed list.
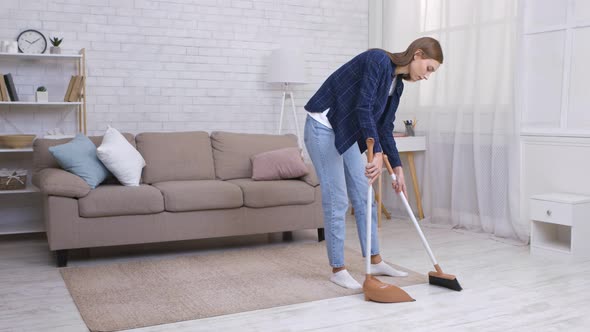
[(407, 145), (410, 143)]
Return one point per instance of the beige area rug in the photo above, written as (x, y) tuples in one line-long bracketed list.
[(158, 291)]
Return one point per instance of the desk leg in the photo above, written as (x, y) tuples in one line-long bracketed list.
[(415, 183), (382, 208), (385, 212)]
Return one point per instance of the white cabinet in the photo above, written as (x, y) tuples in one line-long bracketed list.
[(560, 223)]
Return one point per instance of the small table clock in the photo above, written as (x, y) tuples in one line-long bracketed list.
[(32, 42)]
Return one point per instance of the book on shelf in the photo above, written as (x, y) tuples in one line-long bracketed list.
[(3, 90), (80, 90), (70, 86), (10, 87), (77, 87)]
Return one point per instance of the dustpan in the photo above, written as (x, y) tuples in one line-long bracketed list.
[(374, 289)]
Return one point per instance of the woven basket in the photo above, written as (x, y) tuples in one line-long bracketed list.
[(16, 141), (13, 180)]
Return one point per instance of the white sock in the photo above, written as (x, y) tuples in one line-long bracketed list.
[(383, 269), (344, 279)]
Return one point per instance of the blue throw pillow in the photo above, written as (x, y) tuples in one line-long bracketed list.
[(79, 157)]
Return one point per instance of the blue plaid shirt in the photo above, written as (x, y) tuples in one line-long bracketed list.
[(357, 95)]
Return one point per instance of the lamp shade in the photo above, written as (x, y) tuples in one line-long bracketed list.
[(286, 66)]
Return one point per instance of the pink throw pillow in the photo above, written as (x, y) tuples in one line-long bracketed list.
[(280, 164)]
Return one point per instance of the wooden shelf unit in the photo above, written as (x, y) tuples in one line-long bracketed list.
[(21, 209), (34, 103), (80, 59)]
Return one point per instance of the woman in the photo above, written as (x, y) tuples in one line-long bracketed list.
[(356, 102)]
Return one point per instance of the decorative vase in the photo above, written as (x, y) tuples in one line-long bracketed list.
[(42, 96), (55, 50)]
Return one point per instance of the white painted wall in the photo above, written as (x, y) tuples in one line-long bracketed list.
[(171, 65), (555, 129), (180, 64)]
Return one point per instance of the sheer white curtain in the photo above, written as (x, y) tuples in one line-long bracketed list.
[(470, 175)]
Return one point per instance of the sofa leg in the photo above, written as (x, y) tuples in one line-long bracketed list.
[(321, 235), (288, 236), (62, 257)]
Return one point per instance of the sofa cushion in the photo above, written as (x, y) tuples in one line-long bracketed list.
[(232, 151), (176, 156), (280, 164), (260, 194), (57, 182), (120, 157), (311, 178), (42, 158), (78, 156), (117, 200), (182, 196)]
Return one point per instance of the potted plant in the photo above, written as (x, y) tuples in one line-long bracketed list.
[(55, 48), (42, 95)]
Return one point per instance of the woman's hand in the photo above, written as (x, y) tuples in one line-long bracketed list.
[(373, 169), (400, 183)]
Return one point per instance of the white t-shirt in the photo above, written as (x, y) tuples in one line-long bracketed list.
[(323, 116)]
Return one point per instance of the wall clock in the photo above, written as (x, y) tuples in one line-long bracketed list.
[(31, 41)]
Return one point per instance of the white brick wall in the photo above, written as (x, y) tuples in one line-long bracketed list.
[(179, 64)]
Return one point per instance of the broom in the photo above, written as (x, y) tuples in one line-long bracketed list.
[(437, 277)]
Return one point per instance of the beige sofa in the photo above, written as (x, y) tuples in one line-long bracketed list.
[(193, 186)]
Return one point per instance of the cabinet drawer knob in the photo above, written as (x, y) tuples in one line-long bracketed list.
[(549, 213)]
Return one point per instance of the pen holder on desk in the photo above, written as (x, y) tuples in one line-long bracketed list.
[(409, 130)]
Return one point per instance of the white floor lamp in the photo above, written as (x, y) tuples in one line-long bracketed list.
[(287, 67)]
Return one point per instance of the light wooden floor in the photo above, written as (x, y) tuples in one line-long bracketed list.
[(505, 289)]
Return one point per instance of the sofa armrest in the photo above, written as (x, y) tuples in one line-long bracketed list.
[(57, 182), (311, 178)]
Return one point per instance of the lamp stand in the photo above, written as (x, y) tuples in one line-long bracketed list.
[(288, 92)]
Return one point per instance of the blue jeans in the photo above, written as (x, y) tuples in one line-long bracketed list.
[(342, 177)]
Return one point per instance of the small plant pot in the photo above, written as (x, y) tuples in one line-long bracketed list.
[(42, 96), (55, 50)]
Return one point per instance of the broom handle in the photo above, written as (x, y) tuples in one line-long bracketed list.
[(370, 145), (411, 213)]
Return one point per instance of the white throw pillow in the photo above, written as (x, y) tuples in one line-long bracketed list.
[(120, 157)]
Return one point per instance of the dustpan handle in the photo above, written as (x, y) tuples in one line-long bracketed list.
[(370, 145), (410, 212)]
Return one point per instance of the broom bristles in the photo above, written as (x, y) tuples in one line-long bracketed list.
[(447, 283)]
